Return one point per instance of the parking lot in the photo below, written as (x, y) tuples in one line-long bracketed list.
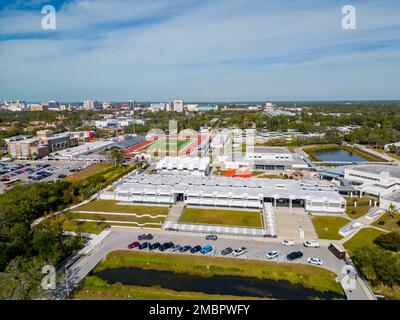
[(256, 248), (36, 171)]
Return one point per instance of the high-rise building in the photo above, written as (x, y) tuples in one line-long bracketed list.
[(178, 105), (90, 104)]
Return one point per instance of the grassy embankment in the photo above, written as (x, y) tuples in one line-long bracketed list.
[(363, 238), (106, 174), (222, 217), (113, 206), (388, 223), (94, 288), (132, 215), (308, 276), (312, 150), (328, 227)]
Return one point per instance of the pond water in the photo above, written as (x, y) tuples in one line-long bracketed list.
[(339, 155), (225, 285)]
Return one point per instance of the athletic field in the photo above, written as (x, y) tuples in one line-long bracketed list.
[(164, 146)]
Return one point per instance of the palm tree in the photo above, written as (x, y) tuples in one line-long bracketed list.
[(116, 154)]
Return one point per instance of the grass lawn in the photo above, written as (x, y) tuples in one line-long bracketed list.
[(165, 144), (361, 209), (89, 171), (363, 238), (390, 224), (94, 288), (79, 226), (309, 276), (328, 227), (111, 217), (222, 217), (113, 206)]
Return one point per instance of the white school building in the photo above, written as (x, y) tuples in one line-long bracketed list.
[(228, 192)]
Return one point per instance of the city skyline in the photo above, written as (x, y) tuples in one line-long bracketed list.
[(241, 50)]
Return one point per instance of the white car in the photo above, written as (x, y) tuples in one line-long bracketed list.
[(239, 251), (288, 243), (272, 254), (311, 244), (315, 261), (175, 247)]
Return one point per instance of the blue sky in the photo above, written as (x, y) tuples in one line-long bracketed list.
[(199, 50)]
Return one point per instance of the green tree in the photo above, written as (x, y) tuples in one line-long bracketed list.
[(392, 210), (389, 241), (116, 155), (23, 280)]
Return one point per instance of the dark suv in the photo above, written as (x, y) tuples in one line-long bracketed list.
[(195, 249), (154, 246), (166, 246), (226, 251), (294, 255), (145, 237), (143, 245), (185, 248)]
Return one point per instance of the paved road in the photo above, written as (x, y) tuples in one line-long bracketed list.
[(119, 239)]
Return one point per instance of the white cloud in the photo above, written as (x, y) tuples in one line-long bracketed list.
[(160, 49)]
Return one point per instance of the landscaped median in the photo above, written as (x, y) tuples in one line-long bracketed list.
[(239, 218), (297, 274)]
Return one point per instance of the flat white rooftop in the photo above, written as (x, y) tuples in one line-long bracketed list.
[(233, 187), (394, 171), (84, 149)]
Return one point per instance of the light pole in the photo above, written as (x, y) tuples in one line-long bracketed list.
[(66, 282)]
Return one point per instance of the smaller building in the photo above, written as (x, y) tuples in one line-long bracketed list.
[(390, 199), (29, 148), (117, 123), (376, 180), (86, 149), (195, 166), (263, 159)]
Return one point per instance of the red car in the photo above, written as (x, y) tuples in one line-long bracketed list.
[(133, 245)]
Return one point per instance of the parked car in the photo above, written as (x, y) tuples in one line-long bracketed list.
[(176, 247), (195, 249), (294, 255), (143, 245), (211, 237), (62, 176), (226, 251), (133, 245), (206, 249), (315, 261), (311, 244), (272, 254), (239, 251), (166, 246), (145, 237), (288, 243), (185, 248), (154, 246)]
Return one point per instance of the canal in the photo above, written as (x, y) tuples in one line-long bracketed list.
[(222, 285)]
